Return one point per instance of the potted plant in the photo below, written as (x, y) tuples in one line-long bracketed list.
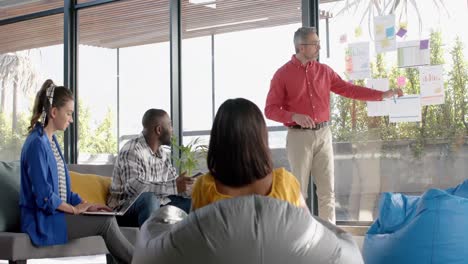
[(191, 155)]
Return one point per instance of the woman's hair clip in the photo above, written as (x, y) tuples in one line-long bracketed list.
[(50, 93), (49, 97)]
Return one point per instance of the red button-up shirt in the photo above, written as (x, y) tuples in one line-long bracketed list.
[(305, 89)]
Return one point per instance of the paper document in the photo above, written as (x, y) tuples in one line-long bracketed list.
[(357, 61), (406, 109), (410, 54), (384, 33), (432, 85), (378, 84), (379, 108)]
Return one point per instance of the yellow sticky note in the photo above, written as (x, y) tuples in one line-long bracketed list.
[(385, 43), (358, 32), (379, 29), (404, 25)]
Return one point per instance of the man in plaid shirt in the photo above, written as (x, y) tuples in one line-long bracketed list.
[(143, 165)]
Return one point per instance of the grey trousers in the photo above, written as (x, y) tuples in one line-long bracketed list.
[(79, 226)]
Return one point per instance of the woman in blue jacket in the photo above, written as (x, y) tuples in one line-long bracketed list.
[(50, 212)]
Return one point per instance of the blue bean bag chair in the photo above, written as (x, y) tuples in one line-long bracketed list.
[(432, 228)]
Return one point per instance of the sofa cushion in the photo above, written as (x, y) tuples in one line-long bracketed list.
[(99, 169), (92, 188), (17, 246), (9, 196)]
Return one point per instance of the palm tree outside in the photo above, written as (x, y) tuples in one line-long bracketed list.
[(18, 76)]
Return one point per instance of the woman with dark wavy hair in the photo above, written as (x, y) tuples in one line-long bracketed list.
[(50, 211), (239, 159)]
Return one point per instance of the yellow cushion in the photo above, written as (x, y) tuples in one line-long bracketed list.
[(92, 188)]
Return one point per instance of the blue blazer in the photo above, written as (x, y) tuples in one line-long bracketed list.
[(39, 194)]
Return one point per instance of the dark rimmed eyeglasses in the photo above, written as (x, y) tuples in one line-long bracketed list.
[(317, 43)]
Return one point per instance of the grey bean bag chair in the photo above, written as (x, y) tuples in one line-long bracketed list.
[(249, 229)]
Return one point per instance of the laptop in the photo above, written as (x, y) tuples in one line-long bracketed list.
[(122, 209)]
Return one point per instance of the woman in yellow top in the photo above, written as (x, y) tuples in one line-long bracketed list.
[(239, 159)]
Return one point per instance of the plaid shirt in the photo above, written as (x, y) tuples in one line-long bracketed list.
[(138, 167)]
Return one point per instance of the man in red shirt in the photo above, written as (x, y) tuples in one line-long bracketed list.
[(299, 97)]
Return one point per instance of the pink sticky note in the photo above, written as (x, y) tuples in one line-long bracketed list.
[(401, 32), (343, 38), (401, 81)]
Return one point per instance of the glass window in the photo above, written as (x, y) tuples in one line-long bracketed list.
[(26, 61), (246, 61), (144, 86), (232, 49), (197, 84), (14, 8), (123, 71), (247, 72), (374, 155)]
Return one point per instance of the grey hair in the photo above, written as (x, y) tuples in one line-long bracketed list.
[(300, 36)]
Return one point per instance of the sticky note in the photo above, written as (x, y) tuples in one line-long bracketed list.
[(401, 32), (357, 32), (401, 81), (343, 38), (424, 44), (379, 29), (390, 32), (385, 43), (404, 25)]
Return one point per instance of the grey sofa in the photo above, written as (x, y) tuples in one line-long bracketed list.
[(16, 247)]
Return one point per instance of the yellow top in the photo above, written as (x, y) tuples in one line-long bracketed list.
[(285, 187)]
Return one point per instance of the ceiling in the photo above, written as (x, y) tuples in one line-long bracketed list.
[(139, 22), (13, 8), (12, 3)]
